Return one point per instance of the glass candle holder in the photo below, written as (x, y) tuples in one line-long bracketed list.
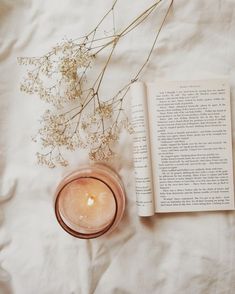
[(90, 201)]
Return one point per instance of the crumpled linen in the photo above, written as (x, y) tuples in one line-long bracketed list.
[(191, 253)]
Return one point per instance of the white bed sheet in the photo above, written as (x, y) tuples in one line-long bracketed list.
[(191, 253)]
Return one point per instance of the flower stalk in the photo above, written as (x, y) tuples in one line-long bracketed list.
[(78, 117)]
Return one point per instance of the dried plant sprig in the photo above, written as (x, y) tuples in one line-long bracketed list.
[(78, 117)]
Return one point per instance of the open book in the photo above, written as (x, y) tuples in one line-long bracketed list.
[(182, 146)]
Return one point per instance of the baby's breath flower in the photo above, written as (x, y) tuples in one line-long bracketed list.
[(78, 117), (127, 125), (105, 110), (60, 160)]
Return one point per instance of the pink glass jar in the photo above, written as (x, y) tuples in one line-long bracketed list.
[(90, 201)]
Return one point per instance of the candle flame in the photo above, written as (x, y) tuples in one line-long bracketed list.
[(90, 200)]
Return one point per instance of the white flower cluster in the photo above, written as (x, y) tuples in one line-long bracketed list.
[(78, 118), (58, 77)]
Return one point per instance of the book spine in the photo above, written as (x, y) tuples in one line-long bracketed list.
[(142, 151)]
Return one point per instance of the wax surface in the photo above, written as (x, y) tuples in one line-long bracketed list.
[(87, 204)]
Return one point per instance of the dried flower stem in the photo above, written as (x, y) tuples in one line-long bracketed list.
[(60, 78)]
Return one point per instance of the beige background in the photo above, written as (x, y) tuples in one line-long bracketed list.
[(187, 253)]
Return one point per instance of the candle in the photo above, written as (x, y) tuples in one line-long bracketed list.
[(90, 202)]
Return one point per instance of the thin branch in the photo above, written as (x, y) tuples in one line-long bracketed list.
[(103, 125)]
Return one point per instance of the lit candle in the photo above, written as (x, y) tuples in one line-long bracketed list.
[(90, 202)]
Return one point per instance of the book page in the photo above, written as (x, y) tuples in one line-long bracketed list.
[(141, 151), (190, 130)]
